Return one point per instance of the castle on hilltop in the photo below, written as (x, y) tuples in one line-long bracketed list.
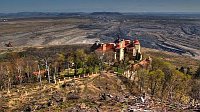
[(120, 47)]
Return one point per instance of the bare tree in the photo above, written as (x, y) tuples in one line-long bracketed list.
[(39, 75)]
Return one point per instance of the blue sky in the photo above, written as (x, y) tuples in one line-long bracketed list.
[(7, 6)]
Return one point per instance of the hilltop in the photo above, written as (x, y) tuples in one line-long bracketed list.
[(91, 89), (100, 92)]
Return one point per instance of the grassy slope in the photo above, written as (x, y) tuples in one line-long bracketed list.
[(87, 88), (175, 59)]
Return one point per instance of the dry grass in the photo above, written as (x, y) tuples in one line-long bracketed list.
[(89, 87)]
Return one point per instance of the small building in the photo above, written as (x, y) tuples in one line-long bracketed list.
[(120, 47)]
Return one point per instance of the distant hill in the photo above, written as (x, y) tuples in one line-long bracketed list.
[(55, 14), (107, 13), (38, 14), (75, 14)]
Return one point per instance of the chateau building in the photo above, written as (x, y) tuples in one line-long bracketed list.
[(120, 47)]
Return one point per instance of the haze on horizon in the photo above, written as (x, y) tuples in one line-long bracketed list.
[(12, 6)]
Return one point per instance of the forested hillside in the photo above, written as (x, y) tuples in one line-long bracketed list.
[(73, 77)]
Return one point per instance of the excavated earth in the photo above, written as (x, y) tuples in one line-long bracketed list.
[(179, 35)]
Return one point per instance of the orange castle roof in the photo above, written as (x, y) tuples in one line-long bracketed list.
[(136, 42), (113, 46)]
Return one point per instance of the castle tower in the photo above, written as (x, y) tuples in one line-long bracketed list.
[(138, 55), (137, 46), (121, 51)]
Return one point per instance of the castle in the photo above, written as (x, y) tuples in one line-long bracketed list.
[(120, 47)]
